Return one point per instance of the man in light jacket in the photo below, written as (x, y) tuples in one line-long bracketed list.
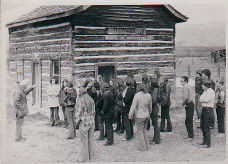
[(20, 103), (187, 102)]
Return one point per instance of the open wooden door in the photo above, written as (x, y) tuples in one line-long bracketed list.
[(36, 79)]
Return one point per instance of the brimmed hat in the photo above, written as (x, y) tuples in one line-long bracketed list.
[(24, 83)]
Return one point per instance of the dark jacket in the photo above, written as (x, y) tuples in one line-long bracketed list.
[(165, 91), (198, 85), (99, 103), (109, 104), (62, 96), (128, 99), (70, 99)]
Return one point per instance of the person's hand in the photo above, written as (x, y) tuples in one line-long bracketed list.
[(34, 85), (102, 112)]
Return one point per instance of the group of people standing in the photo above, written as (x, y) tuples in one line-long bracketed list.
[(208, 96), (97, 105)]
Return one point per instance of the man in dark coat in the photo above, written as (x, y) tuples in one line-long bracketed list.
[(155, 110), (165, 104), (108, 113), (198, 92), (128, 96)]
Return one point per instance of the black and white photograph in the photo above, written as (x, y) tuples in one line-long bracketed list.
[(113, 82)]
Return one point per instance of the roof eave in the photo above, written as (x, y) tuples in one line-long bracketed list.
[(180, 16), (50, 17)]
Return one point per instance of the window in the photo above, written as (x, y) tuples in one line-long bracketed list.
[(55, 70)]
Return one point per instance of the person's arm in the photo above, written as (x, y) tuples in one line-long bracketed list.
[(168, 90), (17, 101), (184, 95), (133, 107), (29, 90), (154, 95)]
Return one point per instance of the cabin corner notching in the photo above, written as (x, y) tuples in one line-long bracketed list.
[(84, 41)]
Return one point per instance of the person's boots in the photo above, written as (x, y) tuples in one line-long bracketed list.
[(101, 128), (109, 138)]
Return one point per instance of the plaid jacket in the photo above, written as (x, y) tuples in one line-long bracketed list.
[(85, 114)]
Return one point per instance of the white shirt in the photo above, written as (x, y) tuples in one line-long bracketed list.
[(208, 98)]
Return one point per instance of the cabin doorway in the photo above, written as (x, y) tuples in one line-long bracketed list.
[(36, 79), (107, 72)]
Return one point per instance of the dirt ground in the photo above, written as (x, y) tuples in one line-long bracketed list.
[(46, 144)]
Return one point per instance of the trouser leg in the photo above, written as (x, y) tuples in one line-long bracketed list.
[(64, 116), (163, 113), (118, 122), (141, 124), (52, 120), (189, 119), (169, 124), (108, 124), (101, 126), (220, 118), (206, 121), (127, 126), (70, 118), (56, 115), (96, 122), (91, 143), (84, 145), (19, 126), (154, 118)]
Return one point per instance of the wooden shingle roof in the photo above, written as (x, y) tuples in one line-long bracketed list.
[(56, 11)]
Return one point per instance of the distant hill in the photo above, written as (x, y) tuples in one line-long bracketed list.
[(210, 34)]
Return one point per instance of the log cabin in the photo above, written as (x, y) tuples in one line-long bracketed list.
[(87, 41)]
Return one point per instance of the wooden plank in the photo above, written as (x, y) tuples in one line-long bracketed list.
[(45, 27), (59, 35), (41, 42), (120, 48), (40, 49), (130, 64), (122, 37), (119, 58), (129, 44), (122, 52)]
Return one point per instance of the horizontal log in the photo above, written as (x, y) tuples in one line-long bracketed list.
[(119, 58), (63, 35), (122, 37), (120, 48), (41, 43), (122, 52), (116, 44), (131, 64), (42, 30), (48, 55), (40, 49)]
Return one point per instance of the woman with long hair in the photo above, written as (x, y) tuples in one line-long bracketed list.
[(53, 103), (85, 114), (141, 109)]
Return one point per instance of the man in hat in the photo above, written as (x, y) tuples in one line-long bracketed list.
[(108, 113), (20, 103), (208, 101), (198, 93)]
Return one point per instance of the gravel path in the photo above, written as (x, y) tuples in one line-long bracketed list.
[(49, 144)]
